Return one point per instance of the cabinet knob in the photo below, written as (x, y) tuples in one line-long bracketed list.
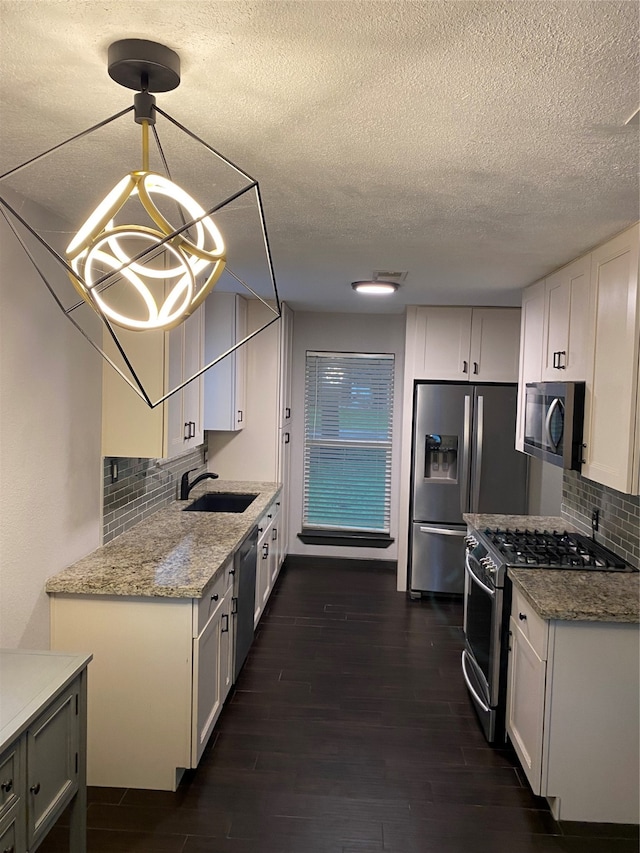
[(522, 616), (9, 849), (6, 787), (215, 596), (35, 789)]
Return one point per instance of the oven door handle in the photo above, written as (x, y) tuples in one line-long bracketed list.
[(476, 579), (478, 699)]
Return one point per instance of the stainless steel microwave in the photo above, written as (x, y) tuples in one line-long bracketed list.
[(553, 422)]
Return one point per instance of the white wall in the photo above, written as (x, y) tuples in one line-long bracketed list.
[(342, 333), (50, 422)]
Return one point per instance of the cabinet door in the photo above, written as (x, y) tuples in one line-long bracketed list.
[(193, 361), (525, 704), (226, 646), (495, 345), (566, 315), (207, 702), (52, 763), (531, 333), (286, 358), (442, 343), (611, 405), (224, 384), (177, 429)]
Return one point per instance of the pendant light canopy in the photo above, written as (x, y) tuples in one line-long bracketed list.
[(149, 252)]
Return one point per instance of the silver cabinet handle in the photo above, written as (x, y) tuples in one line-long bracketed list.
[(443, 531), (480, 701)]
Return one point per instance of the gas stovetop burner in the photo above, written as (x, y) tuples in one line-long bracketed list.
[(554, 550)]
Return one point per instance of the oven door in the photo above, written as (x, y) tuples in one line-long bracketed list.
[(481, 657)]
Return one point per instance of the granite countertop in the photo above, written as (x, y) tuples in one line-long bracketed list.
[(580, 596), (523, 522), (172, 554), (568, 595)]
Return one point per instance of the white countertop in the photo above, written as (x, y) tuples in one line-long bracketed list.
[(28, 681)]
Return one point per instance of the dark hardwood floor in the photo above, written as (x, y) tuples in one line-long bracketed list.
[(349, 731)]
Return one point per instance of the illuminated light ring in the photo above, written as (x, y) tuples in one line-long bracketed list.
[(116, 231), (168, 316), (193, 258), (103, 213), (149, 183)]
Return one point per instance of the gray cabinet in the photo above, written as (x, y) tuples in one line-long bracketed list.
[(42, 769)]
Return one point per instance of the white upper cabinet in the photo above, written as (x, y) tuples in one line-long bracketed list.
[(612, 404), (531, 337), (566, 320), (163, 360), (184, 408), (224, 384), (466, 344)]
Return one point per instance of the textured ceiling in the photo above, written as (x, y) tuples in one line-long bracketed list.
[(477, 145)]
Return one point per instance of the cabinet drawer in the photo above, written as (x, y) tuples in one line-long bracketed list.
[(10, 778), (534, 628), (12, 837), (205, 607)]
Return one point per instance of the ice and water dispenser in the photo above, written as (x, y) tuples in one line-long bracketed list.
[(441, 457)]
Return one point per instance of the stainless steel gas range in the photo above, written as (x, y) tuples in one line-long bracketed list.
[(487, 603)]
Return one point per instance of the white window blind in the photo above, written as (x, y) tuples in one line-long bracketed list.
[(347, 441)]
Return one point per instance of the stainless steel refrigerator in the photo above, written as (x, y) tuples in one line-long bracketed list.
[(463, 460)]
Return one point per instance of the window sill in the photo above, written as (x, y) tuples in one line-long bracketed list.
[(345, 539)]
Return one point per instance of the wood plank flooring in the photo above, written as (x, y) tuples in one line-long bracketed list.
[(349, 731)]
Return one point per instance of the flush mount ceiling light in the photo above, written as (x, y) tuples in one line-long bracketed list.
[(153, 246), (377, 288)]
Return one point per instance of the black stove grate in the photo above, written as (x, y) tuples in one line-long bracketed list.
[(554, 549)]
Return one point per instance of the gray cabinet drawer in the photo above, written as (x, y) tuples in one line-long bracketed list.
[(11, 778)]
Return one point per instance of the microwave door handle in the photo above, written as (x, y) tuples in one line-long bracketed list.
[(547, 422), (466, 439), (475, 503)]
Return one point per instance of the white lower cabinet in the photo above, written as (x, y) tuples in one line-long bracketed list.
[(573, 710), (162, 670), (270, 557), (212, 674)]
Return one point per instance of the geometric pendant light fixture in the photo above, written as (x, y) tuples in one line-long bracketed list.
[(147, 250)]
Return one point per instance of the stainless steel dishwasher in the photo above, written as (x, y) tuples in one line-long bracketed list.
[(244, 599)]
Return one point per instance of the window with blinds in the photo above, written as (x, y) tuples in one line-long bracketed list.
[(347, 442)]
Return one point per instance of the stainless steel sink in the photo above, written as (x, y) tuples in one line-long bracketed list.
[(221, 502)]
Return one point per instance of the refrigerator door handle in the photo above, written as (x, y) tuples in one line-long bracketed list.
[(466, 439), (477, 472), (443, 531)]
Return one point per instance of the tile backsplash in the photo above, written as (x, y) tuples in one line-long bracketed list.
[(143, 487), (619, 522)]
